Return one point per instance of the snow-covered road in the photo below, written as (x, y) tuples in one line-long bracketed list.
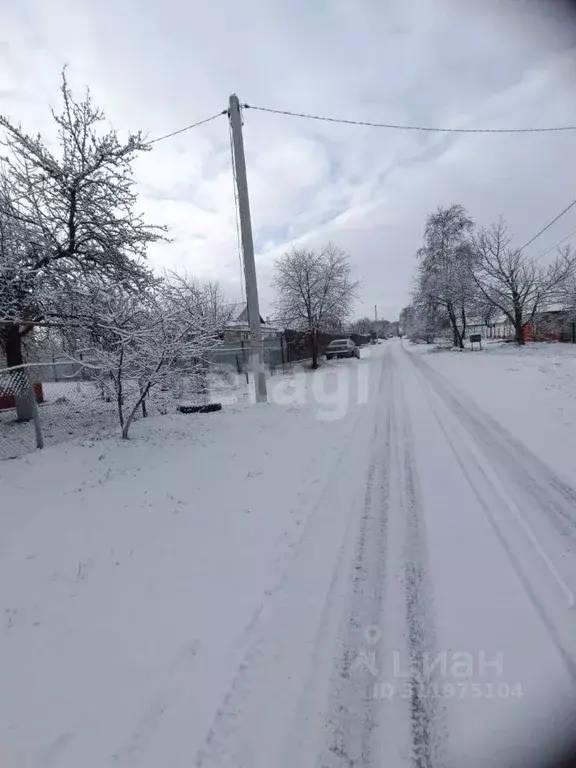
[(427, 617), (421, 612)]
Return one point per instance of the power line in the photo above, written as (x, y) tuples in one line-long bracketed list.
[(393, 126), (554, 220), (552, 248), (188, 127)]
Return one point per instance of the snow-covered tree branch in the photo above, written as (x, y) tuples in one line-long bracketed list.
[(66, 216), (444, 283), (138, 343), (315, 291), (517, 285)]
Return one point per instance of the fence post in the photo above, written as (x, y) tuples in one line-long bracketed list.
[(143, 404), (35, 411), (282, 352), (244, 365)]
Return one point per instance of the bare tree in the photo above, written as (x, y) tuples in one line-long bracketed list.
[(220, 309), (72, 215), (568, 288), (364, 326), (429, 325), (138, 343), (383, 327), (444, 282), (422, 322), (484, 310), (514, 283), (315, 291)]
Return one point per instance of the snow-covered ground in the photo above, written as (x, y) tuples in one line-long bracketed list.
[(78, 411), (376, 568), (531, 390), (71, 410)]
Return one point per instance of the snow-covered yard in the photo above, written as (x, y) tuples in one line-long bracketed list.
[(133, 574), (79, 410), (227, 589)]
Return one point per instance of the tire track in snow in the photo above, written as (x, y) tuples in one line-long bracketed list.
[(351, 700), (360, 728), (532, 477), (218, 747), (306, 740), (430, 385), (426, 710), (534, 495), (149, 720)]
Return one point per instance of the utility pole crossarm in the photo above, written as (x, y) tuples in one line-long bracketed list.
[(257, 352)]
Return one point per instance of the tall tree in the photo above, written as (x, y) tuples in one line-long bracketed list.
[(315, 291), (444, 280), (514, 283), (72, 215)]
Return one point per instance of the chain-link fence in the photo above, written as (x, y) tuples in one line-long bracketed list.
[(73, 403), (70, 403), (68, 406), (19, 392)]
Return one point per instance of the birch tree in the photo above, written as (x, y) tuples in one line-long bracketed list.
[(444, 279)]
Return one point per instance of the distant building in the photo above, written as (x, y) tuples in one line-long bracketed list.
[(553, 325), (548, 325), (237, 326)]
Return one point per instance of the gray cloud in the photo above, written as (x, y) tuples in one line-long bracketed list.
[(447, 62)]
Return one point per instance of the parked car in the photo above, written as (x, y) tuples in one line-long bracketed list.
[(342, 348)]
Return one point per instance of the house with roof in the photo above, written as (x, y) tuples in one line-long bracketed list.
[(553, 324), (236, 326)]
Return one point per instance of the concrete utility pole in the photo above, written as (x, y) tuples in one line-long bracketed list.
[(375, 313), (256, 352)]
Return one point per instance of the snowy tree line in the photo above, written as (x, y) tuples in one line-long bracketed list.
[(73, 260), (468, 275)]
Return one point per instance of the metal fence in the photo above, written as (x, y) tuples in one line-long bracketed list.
[(72, 404), (234, 356), (68, 405), (568, 333)]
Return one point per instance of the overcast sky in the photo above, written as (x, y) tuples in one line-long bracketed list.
[(158, 66)]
